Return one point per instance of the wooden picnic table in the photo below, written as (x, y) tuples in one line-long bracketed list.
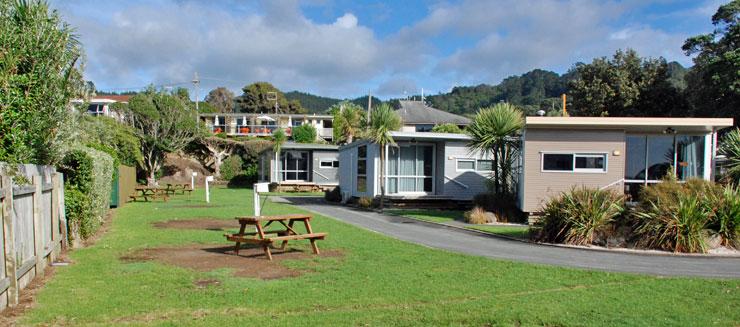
[(259, 236), (149, 192), (173, 188)]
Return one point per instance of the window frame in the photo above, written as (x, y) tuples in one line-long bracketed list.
[(574, 155), (458, 160), (333, 163), (358, 176), (477, 166)]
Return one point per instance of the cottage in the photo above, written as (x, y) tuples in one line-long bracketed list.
[(557, 153), (301, 166)]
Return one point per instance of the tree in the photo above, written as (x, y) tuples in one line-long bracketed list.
[(261, 97), (730, 148), (109, 133), (222, 99), (218, 149), (349, 119), (492, 133), (182, 93), (383, 120), (447, 128), (164, 123), (625, 85), (38, 77), (305, 133), (714, 82), (278, 139)]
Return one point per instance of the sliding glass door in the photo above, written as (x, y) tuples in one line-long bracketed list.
[(410, 169), (294, 166)]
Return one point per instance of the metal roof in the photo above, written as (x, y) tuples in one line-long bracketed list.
[(417, 112), (630, 124)]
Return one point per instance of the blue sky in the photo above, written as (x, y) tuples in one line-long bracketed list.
[(344, 49)]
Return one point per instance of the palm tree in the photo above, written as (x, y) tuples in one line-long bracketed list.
[(348, 121), (383, 120), (278, 139), (730, 148), (491, 133)]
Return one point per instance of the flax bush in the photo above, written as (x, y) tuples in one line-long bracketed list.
[(576, 216), (726, 220)]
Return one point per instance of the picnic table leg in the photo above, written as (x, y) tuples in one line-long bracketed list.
[(241, 233), (265, 247), (313, 241), (287, 232)]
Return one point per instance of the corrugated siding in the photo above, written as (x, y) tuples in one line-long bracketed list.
[(346, 166), (541, 186), (475, 182), (324, 175)]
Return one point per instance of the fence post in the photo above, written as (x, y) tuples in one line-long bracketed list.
[(9, 241), (38, 240), (55, 217)]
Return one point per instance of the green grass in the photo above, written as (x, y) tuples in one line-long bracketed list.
[(433, 215), (521, 232), (380, 281)]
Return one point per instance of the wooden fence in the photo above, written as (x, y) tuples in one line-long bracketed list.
[(34, 228)]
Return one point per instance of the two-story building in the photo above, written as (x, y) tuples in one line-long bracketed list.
[(253, 124)]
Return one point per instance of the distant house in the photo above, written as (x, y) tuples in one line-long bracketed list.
[(418, 117), (100, 105), (252, 124), (557, 153)]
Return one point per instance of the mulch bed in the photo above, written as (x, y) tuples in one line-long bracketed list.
[(251, 261), (206, 223)]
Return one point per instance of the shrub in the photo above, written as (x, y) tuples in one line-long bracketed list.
[(78, 209), (676, 225), (576, 216), (479, 215), (232, 167), (305, 133), (106, 134), (89, 172), (241, 181), (726, 220), (365, 202), (334, 195), (504, 206), (447, 128)]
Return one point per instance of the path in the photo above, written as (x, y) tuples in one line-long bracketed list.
[(473, 243)]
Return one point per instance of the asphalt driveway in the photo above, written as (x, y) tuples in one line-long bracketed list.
[(469, 242)]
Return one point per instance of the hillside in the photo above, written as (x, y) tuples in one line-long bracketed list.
[(319, 104)]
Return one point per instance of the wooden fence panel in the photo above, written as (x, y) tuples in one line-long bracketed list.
[(33, 228)]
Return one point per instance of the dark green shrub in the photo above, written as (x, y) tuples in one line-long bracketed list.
[(447, 128), (365, 202), (726, 220), (241, 181), (677, 225), (504, 206), (232, 167), (305, 133), (334, 195), (576, 216), (77, 168), (78, 210)]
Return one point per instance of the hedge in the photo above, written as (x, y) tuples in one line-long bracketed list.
[(88, 177)]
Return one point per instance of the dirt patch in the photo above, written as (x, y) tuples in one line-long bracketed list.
[(251, 261), (199, 223), (203, 283)]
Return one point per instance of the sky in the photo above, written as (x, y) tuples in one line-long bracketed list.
[(345, 49)]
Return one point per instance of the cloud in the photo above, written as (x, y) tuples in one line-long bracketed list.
[(395, 86)]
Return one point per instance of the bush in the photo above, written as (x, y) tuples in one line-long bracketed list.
[(479, 215), (504, 206), (232, 167), (89, 172), (673, 225), (576, 216), (335, 195), (726, 220), (305, 133), (78, 209), (447, 128), (241, 181), (110, 136), (365, 202)]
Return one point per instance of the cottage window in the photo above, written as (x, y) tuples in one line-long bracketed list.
[(329, 163), (574, 162), (362, 168), (465, 164), (484, 165)]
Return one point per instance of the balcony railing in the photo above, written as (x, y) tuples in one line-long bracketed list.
[(257, 130)]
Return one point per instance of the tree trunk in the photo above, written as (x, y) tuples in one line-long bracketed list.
[(495, 170), (350, 138), (382, 176)]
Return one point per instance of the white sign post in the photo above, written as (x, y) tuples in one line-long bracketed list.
[(208, 192), (192, 181), (259, 188)]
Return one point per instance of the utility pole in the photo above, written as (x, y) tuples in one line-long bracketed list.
[(369, 105), (196, 82), (565, 110)]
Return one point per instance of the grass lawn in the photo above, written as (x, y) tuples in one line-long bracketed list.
[(379, 281), (511, 231)]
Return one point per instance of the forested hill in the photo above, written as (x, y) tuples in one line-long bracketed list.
[(318, 104)]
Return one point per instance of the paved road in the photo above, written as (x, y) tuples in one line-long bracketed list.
[(456, 240)]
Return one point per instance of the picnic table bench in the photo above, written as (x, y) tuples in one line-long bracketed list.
[(259, 236), (149, 192), (172, 189)]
